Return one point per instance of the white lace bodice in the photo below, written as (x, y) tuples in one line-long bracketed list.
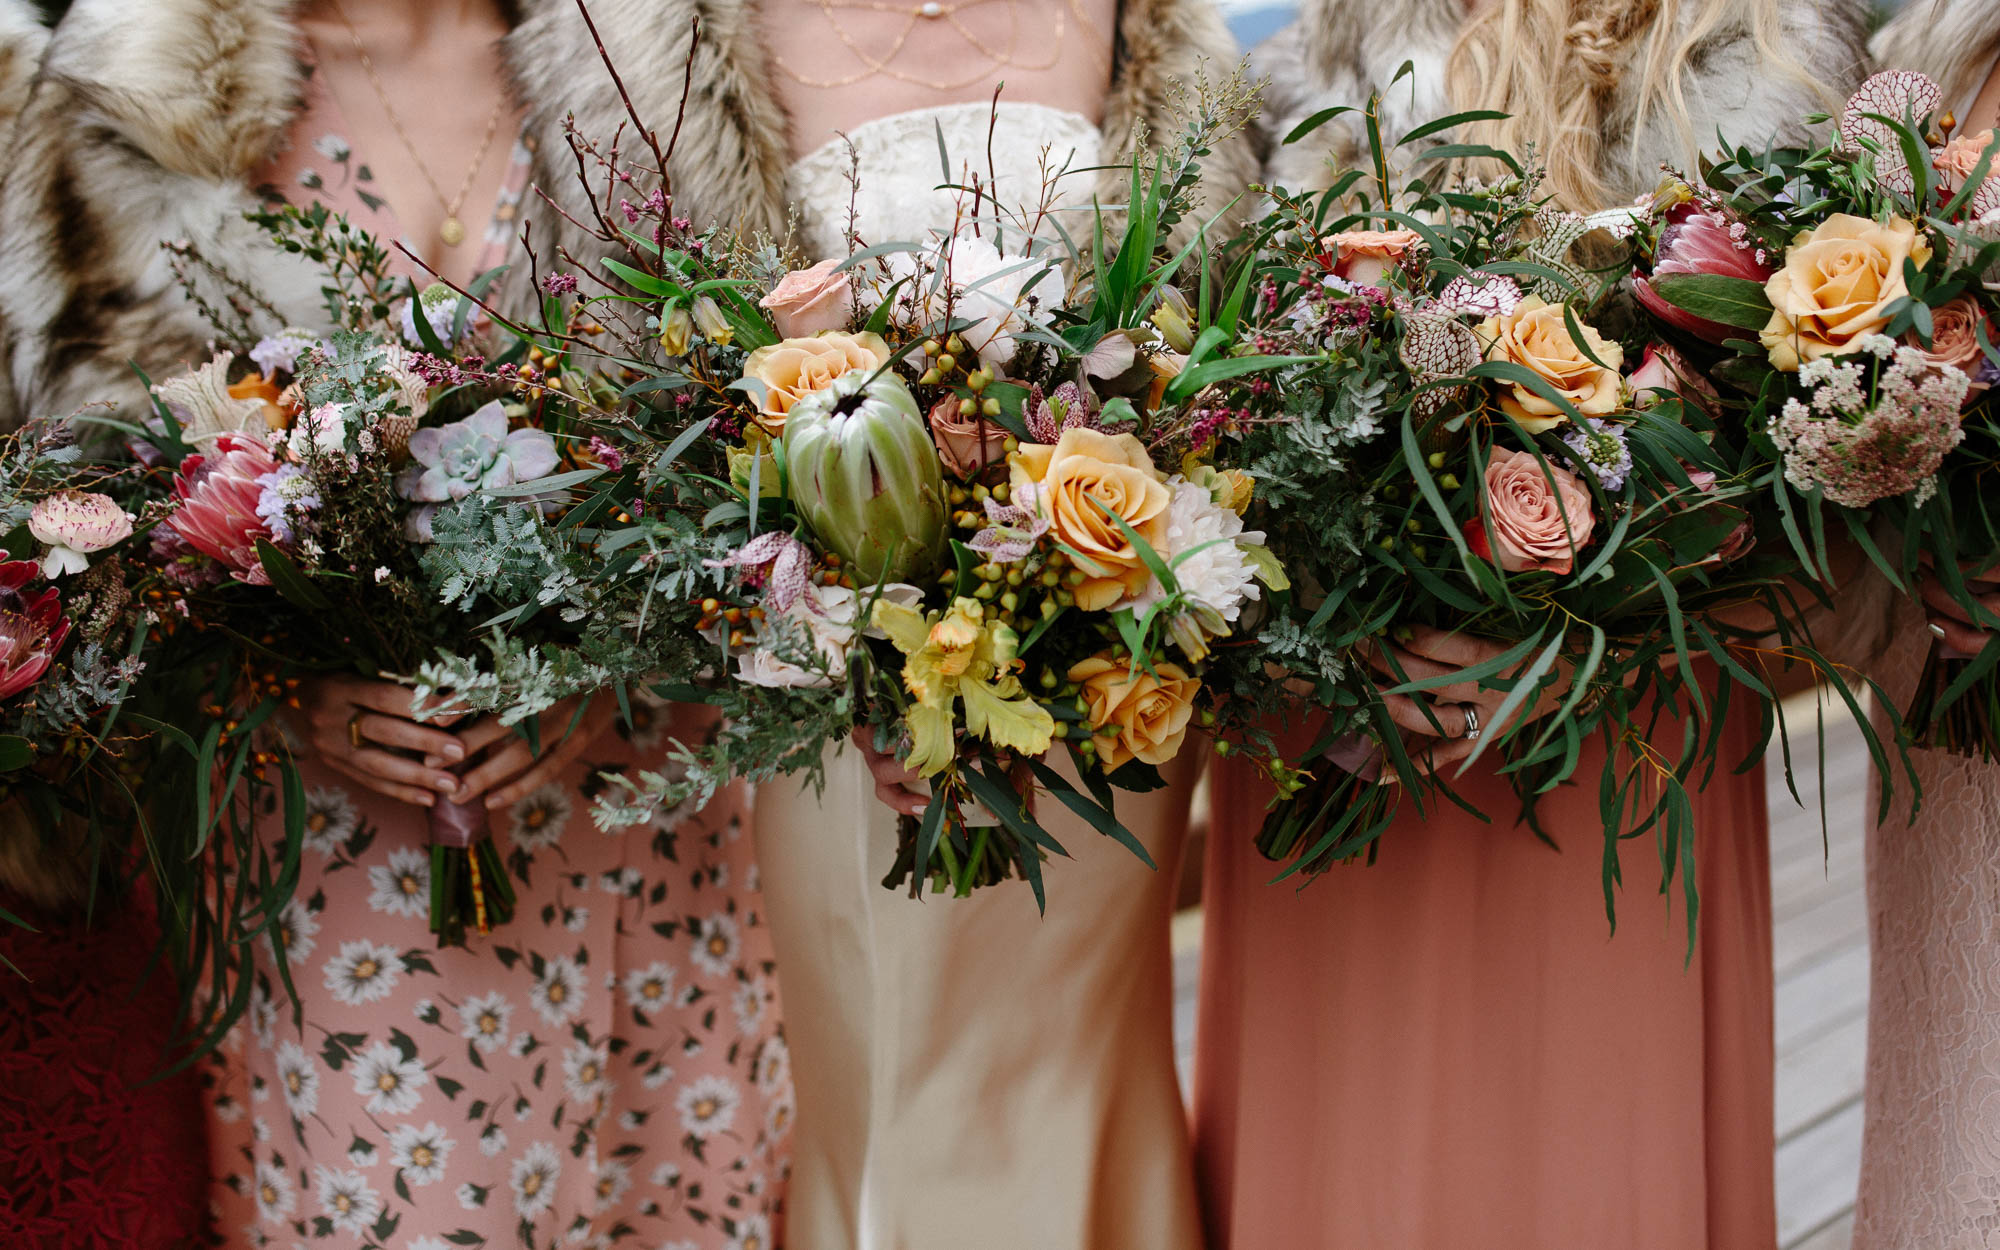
[(899, 195)]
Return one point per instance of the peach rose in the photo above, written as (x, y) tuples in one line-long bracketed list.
[(966, 445), (1363, 256), (811, 301), (1837, 284), (797, 367), (1068, 481), (1955, 335), (1956, 160), (1150, 711), (1536, 336), (1533, 526)]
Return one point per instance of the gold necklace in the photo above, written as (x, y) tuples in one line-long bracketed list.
[(916, 16), (452, 232)]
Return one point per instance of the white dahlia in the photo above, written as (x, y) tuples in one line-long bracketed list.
[(1203, 544)]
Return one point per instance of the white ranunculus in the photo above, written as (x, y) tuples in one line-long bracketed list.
[(986, 287), (829, 618)]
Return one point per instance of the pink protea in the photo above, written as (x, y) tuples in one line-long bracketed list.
[(216, 505), (1697, 240), (32, 629)]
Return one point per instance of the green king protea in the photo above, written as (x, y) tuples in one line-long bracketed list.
[(864, 474)]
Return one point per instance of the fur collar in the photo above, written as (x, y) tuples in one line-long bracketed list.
[(1953, 41), (147, 121), (1339, 51), (22, 38)]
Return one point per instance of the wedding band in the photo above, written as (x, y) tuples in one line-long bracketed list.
[(1935, 628), (354, 730), (1471, 722)]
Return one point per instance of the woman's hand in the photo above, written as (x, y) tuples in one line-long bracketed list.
[(1949, 621), (511, 770), (893, 782), (1454, 716), (363, 730)]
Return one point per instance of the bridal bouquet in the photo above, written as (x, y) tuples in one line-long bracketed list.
[(960, 493), (1487, 440), (1840, 300), (360, 503), (74, 633)]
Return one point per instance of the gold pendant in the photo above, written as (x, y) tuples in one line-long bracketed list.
[(452, 232)]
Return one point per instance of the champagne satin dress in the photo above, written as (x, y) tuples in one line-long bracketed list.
[(972, 1074)]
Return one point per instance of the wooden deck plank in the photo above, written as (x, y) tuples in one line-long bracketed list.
[(1821, 995), (1817, 1173), (1837, 1235), (1820, 1074), (1837, 920)]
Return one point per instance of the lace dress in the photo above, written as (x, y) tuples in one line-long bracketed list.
[(1930, 1173), (971, 1074)]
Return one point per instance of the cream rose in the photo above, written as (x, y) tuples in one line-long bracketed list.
[(966, 445), (1149, 711), (1536, 336), (1837, 284), (1533, 527), (796, 368), (1363, 256), (1068, 481), (811, 301)]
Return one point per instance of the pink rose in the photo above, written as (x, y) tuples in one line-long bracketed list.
[(1955, 337), (808, 301), (1532, 526), (966, 445), (1956, 160), (1363, 256)]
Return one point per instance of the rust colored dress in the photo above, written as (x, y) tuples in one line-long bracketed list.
[(1448, 1049)]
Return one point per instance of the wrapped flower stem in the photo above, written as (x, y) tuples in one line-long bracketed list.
[(1955, 710), (469, 886)]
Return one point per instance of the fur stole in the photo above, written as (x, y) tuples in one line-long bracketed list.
[(1953, 41), (1338, 51), (146, 122)]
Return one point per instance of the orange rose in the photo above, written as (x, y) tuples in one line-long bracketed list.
[(1837, 284), (1150, 711), (811, 301), (1363, 256), (1536, 336), (796, 368), (1067, 482)]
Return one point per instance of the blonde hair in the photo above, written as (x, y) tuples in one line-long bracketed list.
[(1555, 66)]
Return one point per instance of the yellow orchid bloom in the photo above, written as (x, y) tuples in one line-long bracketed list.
[(959, 655)]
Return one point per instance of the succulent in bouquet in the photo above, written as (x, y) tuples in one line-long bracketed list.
[(1839, 298), (1482, 437)]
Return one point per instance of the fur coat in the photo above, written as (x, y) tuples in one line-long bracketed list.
[(1954, 42), (146, 122), (1339, 50), (22, 38)]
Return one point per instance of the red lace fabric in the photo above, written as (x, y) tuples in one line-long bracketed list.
[(94, 1153)]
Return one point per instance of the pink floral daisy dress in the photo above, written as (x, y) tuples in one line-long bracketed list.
[(606, 1069)]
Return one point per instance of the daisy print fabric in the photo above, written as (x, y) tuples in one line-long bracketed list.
[(607, 1069)]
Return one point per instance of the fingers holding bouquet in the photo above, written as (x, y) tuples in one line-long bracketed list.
[(365, 731), (1949, 619), (1445, 723), (508, 766)]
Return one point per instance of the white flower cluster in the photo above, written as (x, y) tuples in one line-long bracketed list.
[(1204, 546)]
